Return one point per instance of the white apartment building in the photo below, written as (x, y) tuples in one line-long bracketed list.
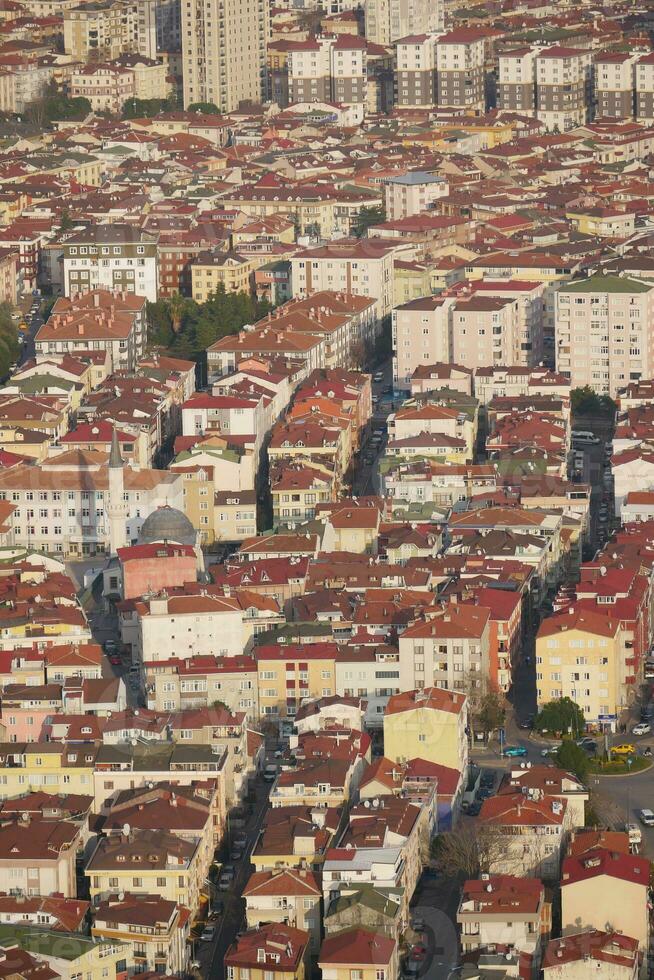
[(388, 21), (563, 80), (112, 256), (605, 332), (329, 68), (615, 79), (412, 193), (364, 268), (645, 88), (370, 672), (460, 69), (450, 651), (184, 626), (485, 330), (224, 51), (523, 344), (415, 70), (516, 87)]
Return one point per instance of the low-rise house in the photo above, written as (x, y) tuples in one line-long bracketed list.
[(289, 895), (368, 954), (295, 837), (365, 906), (155, 931), (539, 781), (51, 912), (605, 955), (505, 912), (273, 950), (345, 868)]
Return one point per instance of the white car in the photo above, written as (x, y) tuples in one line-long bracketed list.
[(646, 818), (642, 728)]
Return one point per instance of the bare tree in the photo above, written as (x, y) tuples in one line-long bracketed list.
[(470, 850)]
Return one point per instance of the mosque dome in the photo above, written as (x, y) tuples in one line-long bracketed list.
[(167, 524)]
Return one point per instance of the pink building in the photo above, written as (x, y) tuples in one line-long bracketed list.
[(151, 568)]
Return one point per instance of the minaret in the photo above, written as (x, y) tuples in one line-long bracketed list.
[(115, 506)]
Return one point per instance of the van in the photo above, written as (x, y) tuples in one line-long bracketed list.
[(270, 773), (584, 437)]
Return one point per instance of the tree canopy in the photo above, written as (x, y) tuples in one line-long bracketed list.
[(572, 757), (586, 402), (206, 108), (145, 108), (9, 342), (560, 717), (53, 105), (187, 328), (367, 217)]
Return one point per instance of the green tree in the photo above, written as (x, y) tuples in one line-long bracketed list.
[(206, 108), (572, 757), (66, 222), (9, 342), (56, 106), (366, 218), (587, 403), (560, 717)]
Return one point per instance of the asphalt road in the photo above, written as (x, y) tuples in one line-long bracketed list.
[(365, 472), (34, 321)]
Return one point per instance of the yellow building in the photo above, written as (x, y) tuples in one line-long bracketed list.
[(71, 955), (428, 724), (198, 500), (214, 269), (146, 862), (46, 767), (362, 953), (411, 280), (583, 655), (289, 673)]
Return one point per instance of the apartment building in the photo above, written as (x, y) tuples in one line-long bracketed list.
[(146, 862), (516, 86), (415, 71), (155, 930), (105, 29), (645, 89), (100, 319), (485, 330), (615, 82), (428, 723), (118, 257), (364, 268), (272, 952), (224, 51), (422, 334), (362, 952), (583, 655), (38, 857), (412, 193), (388, 21), (604, 332), (291, 673), (530, 831), (329, 68), (450, 650), (563, 86), (503, 910), (460, 69), (287, 895)]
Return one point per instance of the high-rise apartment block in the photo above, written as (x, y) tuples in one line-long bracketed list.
[(605, 332), (645, 88), (460, 69), (516, 88), (615, 73), (416, 70), (224, 51), (563, 87), (388, 21), (329, 68), (103, 31)]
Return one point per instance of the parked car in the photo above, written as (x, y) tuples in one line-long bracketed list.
[(515, 751), (625, 748), (474, 809), (417, 923), (642, 728), (487, 778), (270, 773), (208, 934), (647, 818), (550, 750), (378, 376), (225, 881), (110, 646), (115, 660), (218, 908)]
